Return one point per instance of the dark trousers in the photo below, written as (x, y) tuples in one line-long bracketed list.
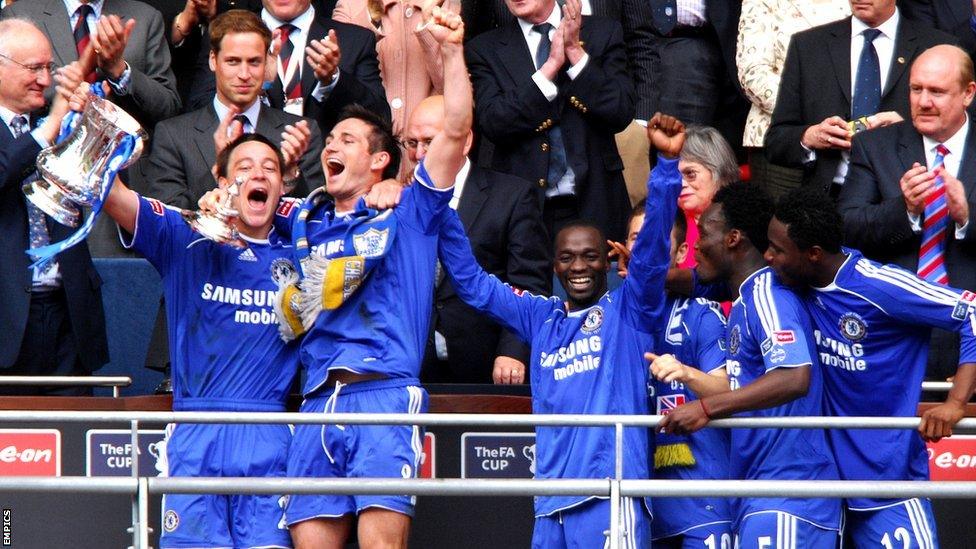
[(49, 348), (689, 77), (777, 180)]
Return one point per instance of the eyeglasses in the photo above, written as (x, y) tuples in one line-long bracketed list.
[(412, 143), (34, 69)]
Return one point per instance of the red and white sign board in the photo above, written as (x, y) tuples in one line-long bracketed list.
[(428, 467), (30, 452), (953, 458)]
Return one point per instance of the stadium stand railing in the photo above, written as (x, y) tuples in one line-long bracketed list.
[(140, 488)]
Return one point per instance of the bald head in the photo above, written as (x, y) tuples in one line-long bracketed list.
[(941, 87), (24, 71), (426, 121)]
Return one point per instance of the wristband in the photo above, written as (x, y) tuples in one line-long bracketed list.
[(704, 409)]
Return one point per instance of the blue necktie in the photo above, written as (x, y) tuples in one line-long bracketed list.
[(557, 149), (867, 87), (37, 225)]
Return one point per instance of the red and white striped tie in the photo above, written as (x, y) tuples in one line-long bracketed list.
[(931, 255)]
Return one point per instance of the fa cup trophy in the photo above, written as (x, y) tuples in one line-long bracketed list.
[(75, 171)]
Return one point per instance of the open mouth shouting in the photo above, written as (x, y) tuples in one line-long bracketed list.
[(334, 166)]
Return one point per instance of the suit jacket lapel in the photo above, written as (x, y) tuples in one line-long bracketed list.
[(967, 168), (910, 147), (57, 25), (473, 197), (316, 31), (515, 53), (267, 124), (840, 56), (904, 51), (206, 124)]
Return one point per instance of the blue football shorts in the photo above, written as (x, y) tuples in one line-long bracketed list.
[(907, 524), (587, 526), (357, 451)]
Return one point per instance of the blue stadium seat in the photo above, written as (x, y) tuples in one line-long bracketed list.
[(130, 292)]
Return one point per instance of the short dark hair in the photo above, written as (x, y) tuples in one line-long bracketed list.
[(380, 137), (747, 207), (812, 219), (680, 226), (237, 22), (584, 224), (223, 159)]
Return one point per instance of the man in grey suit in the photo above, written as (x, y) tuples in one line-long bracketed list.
[(129, 39), (183, 150)]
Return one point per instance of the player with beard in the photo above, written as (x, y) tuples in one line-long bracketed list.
[(873, 326), (587, 353), (772, 373), (225, 349)]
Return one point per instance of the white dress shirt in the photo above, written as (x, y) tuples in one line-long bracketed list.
[(251, 113), (299, 39), (951, 162)]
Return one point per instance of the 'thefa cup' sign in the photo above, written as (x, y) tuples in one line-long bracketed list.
[(953, 458), (30, 452)]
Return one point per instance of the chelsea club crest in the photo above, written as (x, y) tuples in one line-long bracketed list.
[(735, 339), (593, 320), (853, 326), (282, 271)]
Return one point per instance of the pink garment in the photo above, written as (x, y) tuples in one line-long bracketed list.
[(410, 62)]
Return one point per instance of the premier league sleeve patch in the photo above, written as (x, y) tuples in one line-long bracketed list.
[(156, 206), (962, 306)]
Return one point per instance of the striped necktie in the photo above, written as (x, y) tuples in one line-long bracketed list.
[(81, 33), (931, 255), (293, 88)]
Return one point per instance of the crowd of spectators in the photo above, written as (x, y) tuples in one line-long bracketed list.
[(774, 90)]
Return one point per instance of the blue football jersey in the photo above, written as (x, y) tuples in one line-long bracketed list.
[(588, 361), (770, 328), (695, 335), (873, 325), (223, 332), (382, 327)]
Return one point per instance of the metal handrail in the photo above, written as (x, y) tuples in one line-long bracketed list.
[(69, 381), (497, 487), (140, 488), (937, 386), (966, 425)]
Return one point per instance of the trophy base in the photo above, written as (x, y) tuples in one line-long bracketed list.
[(52, 201), (213, 228)]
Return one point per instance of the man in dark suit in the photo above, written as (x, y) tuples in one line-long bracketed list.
[(52, 318), (183, 149), (809, 126), (694, 60), (895, 173), (503, 221), (341, 69), (551, 90), (131, 49)]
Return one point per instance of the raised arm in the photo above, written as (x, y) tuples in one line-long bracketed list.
[(446, 154), (513, 308), (643, 289)]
